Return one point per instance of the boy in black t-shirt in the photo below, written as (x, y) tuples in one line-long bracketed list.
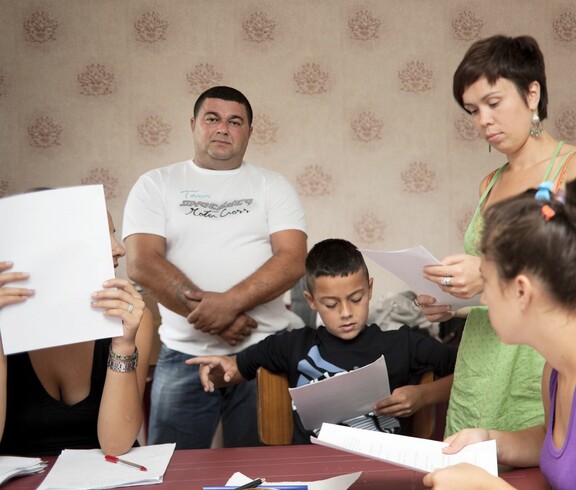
[(339, 289)]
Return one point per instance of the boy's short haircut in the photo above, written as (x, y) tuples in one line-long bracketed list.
[(333, 257)]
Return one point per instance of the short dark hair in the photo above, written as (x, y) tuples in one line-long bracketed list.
[(224, 93), (333, 257), (519, 238), (517, 59)]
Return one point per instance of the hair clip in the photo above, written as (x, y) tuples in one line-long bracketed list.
[(547, 212), (543, 191)]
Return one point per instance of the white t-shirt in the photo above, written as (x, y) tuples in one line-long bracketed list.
[(217, 225)]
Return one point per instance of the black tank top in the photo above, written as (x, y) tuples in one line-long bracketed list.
[(39, 425)]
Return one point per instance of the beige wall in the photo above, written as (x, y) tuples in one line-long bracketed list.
[(352, 100)]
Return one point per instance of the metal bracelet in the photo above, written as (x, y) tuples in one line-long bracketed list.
[(123, 357), (122, 366)]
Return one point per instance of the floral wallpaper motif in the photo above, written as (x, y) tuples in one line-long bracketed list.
[(370, 228), (40, 27), (104, 177), (314, 181), (419, 177), (467, 27), (565, 27), (259, 28), (311, 80), (352, 100), (566, 125), (415, 77), (364, 26), (154, 131), (465, 129), (150, 28), (264, 130), (202, 77), (96, 80), (367, 127), (44, 132)]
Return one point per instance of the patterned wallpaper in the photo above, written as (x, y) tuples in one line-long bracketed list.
[(352, 100)]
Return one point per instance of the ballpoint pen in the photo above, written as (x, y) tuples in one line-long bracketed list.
[(114, 459), (251, 484)]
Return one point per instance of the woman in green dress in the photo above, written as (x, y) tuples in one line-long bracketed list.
[(501, 84)]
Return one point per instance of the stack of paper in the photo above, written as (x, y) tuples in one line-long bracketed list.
[(77, 469), (11, 466), (409, 452)]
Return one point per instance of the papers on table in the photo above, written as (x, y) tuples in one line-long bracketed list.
[(78, 469), (409, 452), (322, 401), (408, 264), (342, 482), (12, 466), (61, 238)]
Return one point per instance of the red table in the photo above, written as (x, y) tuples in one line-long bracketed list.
[(191, 469)]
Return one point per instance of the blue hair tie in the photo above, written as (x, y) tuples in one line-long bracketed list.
[(543, 192)]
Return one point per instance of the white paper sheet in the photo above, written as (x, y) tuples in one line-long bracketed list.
[(409, 452), (61, 238), (77, 469), (322, 401), (341, 482), (12, 466), (408, 265)]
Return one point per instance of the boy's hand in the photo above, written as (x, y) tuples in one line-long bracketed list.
[(403, 402), (215, 371)]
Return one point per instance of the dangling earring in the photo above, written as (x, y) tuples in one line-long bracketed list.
[(537, 129)]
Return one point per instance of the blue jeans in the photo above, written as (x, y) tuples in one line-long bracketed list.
[(181, 412)]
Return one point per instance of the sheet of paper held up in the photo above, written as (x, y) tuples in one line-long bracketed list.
[(409, 452), (323, 401), (61, 238), (407, 265), (341, 482), (86, 469)]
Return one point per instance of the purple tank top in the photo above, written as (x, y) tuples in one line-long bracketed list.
[(559, 465)]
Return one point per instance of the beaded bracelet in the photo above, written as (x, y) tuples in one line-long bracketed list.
[(121, 363)]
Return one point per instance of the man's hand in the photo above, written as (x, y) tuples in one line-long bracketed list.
[(241, 328), (213, 313)]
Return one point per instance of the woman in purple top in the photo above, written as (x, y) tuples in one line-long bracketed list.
[(528, 266)]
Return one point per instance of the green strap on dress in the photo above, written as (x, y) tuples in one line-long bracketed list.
[(496, 175)]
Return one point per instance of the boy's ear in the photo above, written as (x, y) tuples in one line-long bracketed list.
[(310, 300), (370, 284)]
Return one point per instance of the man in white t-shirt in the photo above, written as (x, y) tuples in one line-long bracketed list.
[(216, 241)]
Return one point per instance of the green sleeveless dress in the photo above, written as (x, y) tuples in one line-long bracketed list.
[(496, 386)]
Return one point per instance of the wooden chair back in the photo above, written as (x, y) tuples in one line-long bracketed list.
[(275, 422), (275, 418)]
